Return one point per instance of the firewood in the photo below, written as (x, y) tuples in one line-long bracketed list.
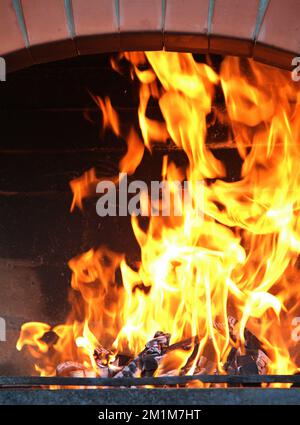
[(230, 366), (205, 367), (262, 362), (146, 362), (185, 344), (67, 368), (132, 370), (102, 356), (159, 343), (254, 362), (154, 351), (246, 365)]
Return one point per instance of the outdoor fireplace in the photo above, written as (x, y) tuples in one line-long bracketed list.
[(191, 302)]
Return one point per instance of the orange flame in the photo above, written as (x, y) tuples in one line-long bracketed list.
[(238, 259)]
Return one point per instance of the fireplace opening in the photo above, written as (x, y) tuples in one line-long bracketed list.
[(92, 288)]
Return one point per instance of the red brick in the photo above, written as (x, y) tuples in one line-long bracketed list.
[(233, 27), (12, 44), (47, 29), (279, 36), (96, 26), (186, 24), (141, 24)]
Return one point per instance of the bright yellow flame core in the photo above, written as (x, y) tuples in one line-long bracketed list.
[(238, 259)]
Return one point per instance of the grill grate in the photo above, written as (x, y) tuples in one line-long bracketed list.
[(31, 381)]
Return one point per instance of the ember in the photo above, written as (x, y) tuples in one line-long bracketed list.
[(211, 294)]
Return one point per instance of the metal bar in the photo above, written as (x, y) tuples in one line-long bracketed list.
[(154, 396), (157, 147), (32, 381)]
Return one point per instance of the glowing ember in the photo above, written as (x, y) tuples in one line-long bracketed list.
[(239, 260)]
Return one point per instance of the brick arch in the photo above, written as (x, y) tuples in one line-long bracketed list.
[(37, 31)]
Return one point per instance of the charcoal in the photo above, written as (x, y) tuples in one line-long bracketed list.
[(248, 369), (123, 360), (253, 348), (246, 365), (254, 362), (133, 369), (251, 342), (154, 352), (150, 364), (230, 365), (50, 338), (238, 364)]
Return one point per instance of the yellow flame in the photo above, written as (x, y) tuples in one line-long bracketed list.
[(237, 259)]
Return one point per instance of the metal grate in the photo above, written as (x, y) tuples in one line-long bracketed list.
[(31, 381)]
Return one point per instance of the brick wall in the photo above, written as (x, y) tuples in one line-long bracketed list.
[(36, 31)]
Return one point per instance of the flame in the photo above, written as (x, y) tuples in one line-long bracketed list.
[(238, 257)]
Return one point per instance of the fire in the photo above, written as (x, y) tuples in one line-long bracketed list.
[(236, 259)]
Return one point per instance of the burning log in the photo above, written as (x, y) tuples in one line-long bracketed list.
[(251, 342), (154, 352), (207, 363), (103, 356), (74, 370), (132, 370), (254, 362), (68, 368), (255, 351), (232, 321), (185, 344), (247, 364), (230, 365), (147, 362), (205, 367), (262, 362), (159, 343), (106, 361)]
